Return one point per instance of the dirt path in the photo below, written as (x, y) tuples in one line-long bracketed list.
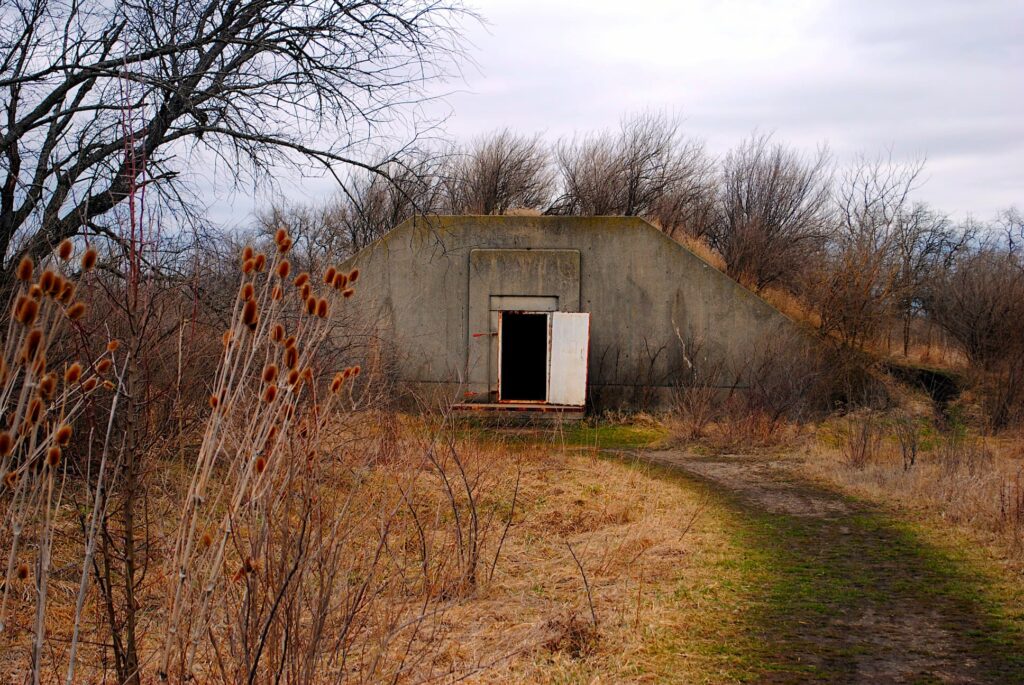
[(846, 592)]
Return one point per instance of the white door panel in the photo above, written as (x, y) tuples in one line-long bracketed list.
[(567, 361)]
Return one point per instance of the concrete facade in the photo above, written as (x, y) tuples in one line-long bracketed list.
[(432, 287)]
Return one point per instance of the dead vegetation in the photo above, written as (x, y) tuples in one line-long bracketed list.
[(967, 480), (462, 565)]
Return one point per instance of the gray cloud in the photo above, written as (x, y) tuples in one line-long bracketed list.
[(935, 78)]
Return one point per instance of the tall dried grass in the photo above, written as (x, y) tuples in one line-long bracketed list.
[(969, 481), (40, 400), (297, 533)]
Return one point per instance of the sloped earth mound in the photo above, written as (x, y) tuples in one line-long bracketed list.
[(845, 592)]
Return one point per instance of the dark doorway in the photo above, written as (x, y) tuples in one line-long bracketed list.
[(524, 357)]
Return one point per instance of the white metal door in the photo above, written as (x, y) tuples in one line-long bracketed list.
[(567, 361)]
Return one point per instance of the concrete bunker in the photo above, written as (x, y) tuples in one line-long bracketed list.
[(552, 314)]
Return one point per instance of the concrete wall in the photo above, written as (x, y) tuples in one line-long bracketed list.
[(429, 286)]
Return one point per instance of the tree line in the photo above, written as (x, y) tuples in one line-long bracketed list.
[(870, 265)]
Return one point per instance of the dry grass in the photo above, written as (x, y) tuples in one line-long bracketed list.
[(700, 247), (643, 543), (938, 353), (975, 483), (792, 306), (641, 540)]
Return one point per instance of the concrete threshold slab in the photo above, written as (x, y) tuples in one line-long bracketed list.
[(519, 411)]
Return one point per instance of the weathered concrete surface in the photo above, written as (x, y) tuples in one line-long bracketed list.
[(431, 283)]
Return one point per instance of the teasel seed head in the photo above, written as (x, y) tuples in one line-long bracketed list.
[(248, 266), (276, 294), (22, 571), (277, 333), (33, 345), (24, 270), (284, 245), (280, 236), (321, 309), (306, 291), (206, 540), (225, 339), (6, 443), (293, 377), (63, 435), (284, 267), (35, 411), (113, 345), (250, 317), (73, 373), (58, 286), (89, 384), (48, 386), (261, 465), (25, 310), (307, 374), (348, 292), (260, 262), (214, 401), (248, 291), (108, 385), (353, 275), (53, 456), (76, 311), (89, 258), (270, 373), (290, 341), (336, 383), (291, 357), (340, 281), (311, 305), (329, 275), (103, 365), (46, 281), (270, 393), (67, 292), (65, 249), (247, 253), (301, 279), (35, 292)]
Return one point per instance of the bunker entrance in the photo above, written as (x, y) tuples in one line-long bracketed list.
[(523, 348)]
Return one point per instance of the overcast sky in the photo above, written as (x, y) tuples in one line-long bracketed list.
[(937, 78)]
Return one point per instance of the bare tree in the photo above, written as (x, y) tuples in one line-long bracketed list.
[(1011, 221), (979, 300), (856, 287), (103, 97), (368, 206), (773, 206), (371, 205), (648, 168), (925, 241), (500, 172)]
